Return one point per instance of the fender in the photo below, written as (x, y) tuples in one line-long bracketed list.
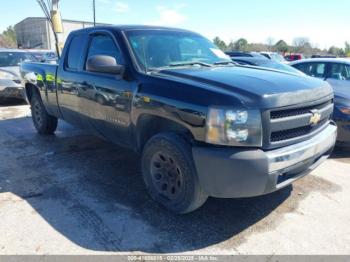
[(43, 79), (181, 113)]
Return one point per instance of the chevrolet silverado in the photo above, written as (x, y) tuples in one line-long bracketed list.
[(203, 125)]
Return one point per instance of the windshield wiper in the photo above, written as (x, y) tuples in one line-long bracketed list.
[(190, 64), (225, 63)]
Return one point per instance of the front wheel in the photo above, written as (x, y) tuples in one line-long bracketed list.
[(44, 123), (170, 175)]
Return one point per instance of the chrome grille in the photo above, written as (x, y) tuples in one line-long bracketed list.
[(287, 125), (298, 111), (295, 132)]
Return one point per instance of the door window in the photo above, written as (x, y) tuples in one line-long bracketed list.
[(318, 69), (312, 69), (304, 67), (104, 45), (339, 71), (75, 52)]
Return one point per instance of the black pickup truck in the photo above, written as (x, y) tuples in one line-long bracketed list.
[(203, 125)]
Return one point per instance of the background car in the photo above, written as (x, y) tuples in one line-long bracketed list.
[(46, 56), (323, 56), (243, 54), (335, 71), (274, 56), (294, 57), (267, 63), (10, 81)]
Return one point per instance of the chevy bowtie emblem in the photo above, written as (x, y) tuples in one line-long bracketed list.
[(316, 117)]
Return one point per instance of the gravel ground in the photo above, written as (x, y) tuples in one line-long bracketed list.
[(76, 194)]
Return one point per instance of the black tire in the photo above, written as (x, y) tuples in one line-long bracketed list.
[(44, 123), (170, 175)]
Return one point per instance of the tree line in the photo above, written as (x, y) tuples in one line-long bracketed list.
[(8, 38), (299, 45)]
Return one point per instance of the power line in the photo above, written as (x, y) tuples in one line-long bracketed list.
[(47, 14)]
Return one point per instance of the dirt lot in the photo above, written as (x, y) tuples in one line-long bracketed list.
[(75, 194)]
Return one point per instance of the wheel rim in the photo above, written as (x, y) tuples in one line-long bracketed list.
[(166, 176), (37, 114)]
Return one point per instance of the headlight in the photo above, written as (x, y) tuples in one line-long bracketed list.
[(7, 76), (234, 127)]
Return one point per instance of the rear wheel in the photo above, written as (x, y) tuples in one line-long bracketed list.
[(44, 123), (169, 173)]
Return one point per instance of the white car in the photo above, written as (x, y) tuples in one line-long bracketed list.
[(275, 56), (10, 80)]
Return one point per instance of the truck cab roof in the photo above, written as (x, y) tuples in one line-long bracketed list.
[(121, 28)]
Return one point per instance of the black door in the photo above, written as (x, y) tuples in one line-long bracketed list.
[(107, 98), (70, 81)]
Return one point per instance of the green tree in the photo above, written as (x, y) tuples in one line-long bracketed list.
[(241, 44), (281, 46), (231, 46), (301, 45), (333, 50), (8, 38), (220, 43), (257, 47), (10, 33), (347, 49)]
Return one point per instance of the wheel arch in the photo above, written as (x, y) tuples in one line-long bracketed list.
[(29, 91), (149, 125)]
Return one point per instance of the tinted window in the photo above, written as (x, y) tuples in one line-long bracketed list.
[(104, 45), (75, 52), (318, 69), (304, 67), (288, 58), (340, 71), (312, 69)]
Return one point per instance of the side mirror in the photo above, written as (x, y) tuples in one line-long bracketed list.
[(104, 64)]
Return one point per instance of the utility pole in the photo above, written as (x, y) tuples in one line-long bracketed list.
[(52, 14), (94, 10)]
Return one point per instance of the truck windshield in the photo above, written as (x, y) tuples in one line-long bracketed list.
[(159, 49)]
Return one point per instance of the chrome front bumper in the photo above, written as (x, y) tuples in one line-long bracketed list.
[(289, 156), (239, 172)]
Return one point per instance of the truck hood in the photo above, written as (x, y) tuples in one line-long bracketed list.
[(268, 88)]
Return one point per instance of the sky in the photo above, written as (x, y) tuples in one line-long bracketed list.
[(324, 22)]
